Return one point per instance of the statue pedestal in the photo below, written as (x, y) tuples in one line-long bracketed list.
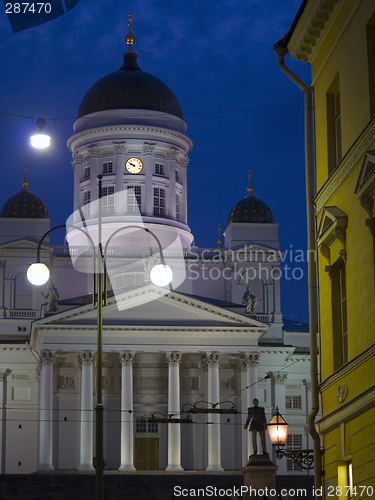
[(259, 478)]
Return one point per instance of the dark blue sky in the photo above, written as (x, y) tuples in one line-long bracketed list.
[(217, 58)]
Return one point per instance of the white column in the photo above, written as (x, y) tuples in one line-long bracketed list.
[(148, 194), (249, 378), (127, 420), (174, 408), (3, 433), (86, 445), (213, 422), (45, 410), (120, 198)]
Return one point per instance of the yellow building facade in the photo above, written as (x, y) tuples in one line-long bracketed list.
[(337, 38)]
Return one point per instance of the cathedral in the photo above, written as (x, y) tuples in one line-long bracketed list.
[(213, 338)]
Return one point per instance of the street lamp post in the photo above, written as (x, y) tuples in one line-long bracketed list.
[(161, 275), (278, 432)]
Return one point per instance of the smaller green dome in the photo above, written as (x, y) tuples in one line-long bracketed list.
[(24, 205), (251, 210)]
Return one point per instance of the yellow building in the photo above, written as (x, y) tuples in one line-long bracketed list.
[(337, 38)]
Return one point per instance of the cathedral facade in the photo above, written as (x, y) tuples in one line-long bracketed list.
[(214, 338)]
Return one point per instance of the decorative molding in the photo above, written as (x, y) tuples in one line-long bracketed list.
[(172, 154), (151, 383), (47, 357), (348, 411), (307, 384), (212, 358), (21, 376), (190, 383), (332, 228), (174, 358), (4, 374), (183, 161), (341, 393), (347, 368), (140, 130), (279, 378), (119, 147), (228, 383), (148, 148), (86, 358), (68, 382), (251, 358), (94, 151), (127, 358), (107, 382), (350, 160)]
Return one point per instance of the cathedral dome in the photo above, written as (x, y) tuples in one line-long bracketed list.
[(130, 88), (251, 209), (24, 205)]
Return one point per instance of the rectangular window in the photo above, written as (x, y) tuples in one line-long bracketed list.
[(86, 173), (293, 402), (107, 167), (140, 426), (334, 145), (339, 314), (108, 200), (159, 201), (159, 169), (294, 442), (177, 176), (146, 427), (134, 199), (86, 204), (177, 207)]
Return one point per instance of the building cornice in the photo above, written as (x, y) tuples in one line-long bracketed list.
[(128, 129), (349, 411), (350, 160), (312, 28), (346, 369)]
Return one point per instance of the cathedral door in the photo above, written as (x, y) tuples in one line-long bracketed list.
[(147, 453)]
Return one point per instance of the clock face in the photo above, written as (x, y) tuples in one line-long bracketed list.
[(134, 165)]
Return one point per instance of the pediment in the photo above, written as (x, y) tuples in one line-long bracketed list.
[(151, 319), (366, 179), (23, 243)]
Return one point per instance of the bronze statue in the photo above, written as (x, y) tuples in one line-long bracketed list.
[(250, 300), (257, 418)]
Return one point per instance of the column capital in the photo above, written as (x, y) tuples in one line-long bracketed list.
[(279, 378), (249, 359), (307, 384), (86, 358), (119, 147), (4, 374), (127, 358), (212, 358), (174, 358), (47, 357)]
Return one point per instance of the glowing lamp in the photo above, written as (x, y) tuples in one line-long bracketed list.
[(277, 429), (38, 274), (161, 275), (40, 140)]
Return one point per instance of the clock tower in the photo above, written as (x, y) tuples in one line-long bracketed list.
[(130, 130)]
